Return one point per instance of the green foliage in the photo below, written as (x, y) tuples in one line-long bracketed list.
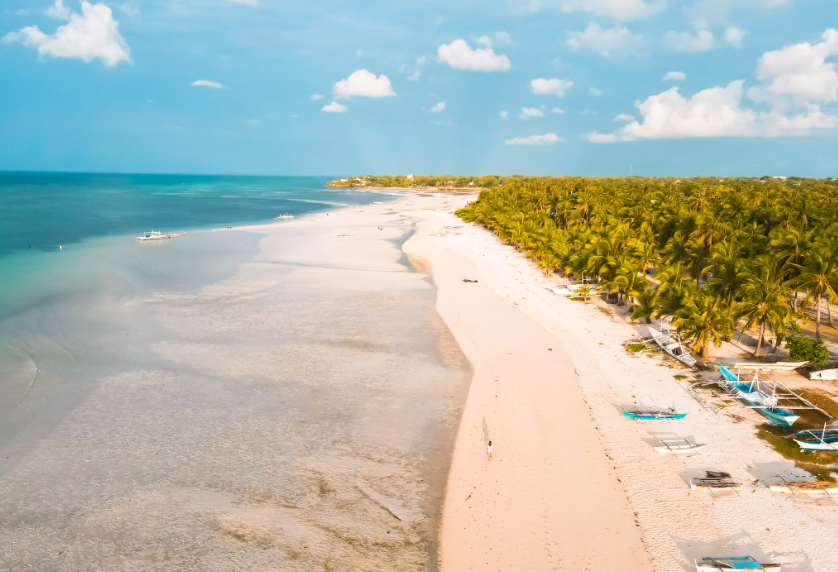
[(711, 254), (807, 349)]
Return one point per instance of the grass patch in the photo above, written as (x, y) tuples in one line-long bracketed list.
[(816, 462), (822, 400), (680, 376), (634, 347)]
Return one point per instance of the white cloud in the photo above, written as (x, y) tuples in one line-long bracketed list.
[(59, 11), (595, 91), (624, 117), (503, 114), (713, 112), (527, 112), (546, 139), (734, 36), (557, 111), (698, 41), (316, 97), (500, 39), (91, 35), (208, 83), (799, 74), (438, 108), (415, 75), (333, 107), (552, 86), (617, 9), (459, 55), (614, 42), (674, 76), (362, 83)]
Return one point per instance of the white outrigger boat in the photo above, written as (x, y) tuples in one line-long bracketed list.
[(152, 235), (716, 563), (285, 216), (677, 447), (824, 440), (808, 488), (671, 344)]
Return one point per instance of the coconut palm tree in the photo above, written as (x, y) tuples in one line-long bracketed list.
[(705, 320), (819, 277), (763, 303)]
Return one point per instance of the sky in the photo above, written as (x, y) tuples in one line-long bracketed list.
[(336, 87)]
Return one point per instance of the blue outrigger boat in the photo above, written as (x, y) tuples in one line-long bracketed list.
[(813, 440), (654, 415), (714, 564), (751, 392)]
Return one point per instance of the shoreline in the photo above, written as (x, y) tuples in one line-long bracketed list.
[(528, 507)]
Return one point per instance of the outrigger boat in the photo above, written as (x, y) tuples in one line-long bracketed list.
[(716, 481), (285, 216), (825, 440), (810, 488), (671, 344), (756, 394), (677, 447), (152, 235), (653, 415), (716, 563)]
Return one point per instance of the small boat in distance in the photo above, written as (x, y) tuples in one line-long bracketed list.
[(677, 447), (671, 344), (824, 440), (152, 235), (653, 415), (285, 216), (716, 563), (809, 488)]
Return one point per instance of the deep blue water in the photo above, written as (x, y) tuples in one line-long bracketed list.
[(44, 210)]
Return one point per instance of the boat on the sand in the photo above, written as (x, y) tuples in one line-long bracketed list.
[(716, 563), (716, 481), (672, 345), (677, 447), (808, 488), (653, 414), (760, 396)]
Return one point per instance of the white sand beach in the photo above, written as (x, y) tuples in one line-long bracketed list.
[(569, 469)]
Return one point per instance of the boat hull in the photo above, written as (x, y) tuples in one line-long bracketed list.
[(654, 417), (714, 564), (806, 489), (817, 445), (759, 400)]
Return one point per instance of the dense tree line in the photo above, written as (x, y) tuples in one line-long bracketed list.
[(406, 181), (712, 255)]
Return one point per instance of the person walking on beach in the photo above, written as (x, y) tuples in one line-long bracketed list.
[(489, 450)]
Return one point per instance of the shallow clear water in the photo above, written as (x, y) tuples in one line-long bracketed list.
[(204, 403)]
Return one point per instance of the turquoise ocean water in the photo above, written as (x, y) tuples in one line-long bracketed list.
[(70, 265)]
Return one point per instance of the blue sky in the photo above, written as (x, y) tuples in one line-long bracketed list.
[(430, 86)]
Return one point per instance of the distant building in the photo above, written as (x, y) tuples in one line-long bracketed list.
[(410, 178)]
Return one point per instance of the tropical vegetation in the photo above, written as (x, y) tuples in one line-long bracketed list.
[(715, 257)]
